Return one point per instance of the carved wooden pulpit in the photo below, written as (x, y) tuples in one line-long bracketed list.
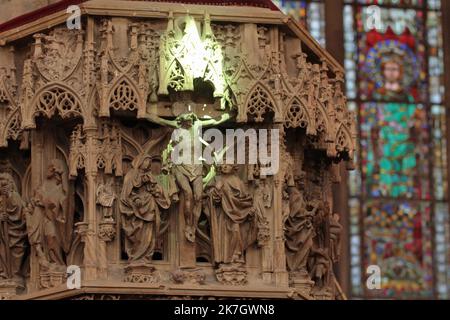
[(93, 113)]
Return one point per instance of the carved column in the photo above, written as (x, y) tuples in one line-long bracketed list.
[(186, 249), (267, 263), (89, 235), (37, 163), (279, 255)]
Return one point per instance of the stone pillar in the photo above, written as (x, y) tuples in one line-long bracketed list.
[(106, 233), (279, 253), (90, 228), (187, 257), (37, 163), (267, 263)]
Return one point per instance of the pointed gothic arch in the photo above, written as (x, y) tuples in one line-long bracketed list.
[(52, 99)]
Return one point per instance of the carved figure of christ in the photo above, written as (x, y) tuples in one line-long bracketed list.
[(189, 175)]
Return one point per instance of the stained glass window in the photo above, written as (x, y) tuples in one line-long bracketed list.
[(310, 13), (398, 206)]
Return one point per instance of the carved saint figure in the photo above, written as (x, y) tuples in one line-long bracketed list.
[(325, 248), (320, 265), (105, 198), (50, 218), (189, 174), (12, 229), (234, 218), (299, 231), (140, 200)]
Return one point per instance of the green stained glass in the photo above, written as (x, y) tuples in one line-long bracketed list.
[(394, 148)]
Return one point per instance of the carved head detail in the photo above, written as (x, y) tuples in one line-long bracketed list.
[(300, 180), (187, 120), (146, 164), (7, 184), (55, 170), (227, 168)]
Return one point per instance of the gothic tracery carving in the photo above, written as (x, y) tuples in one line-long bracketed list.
[(188, 54), (10, 117), (128, 82), (53, 78), (104, 149)]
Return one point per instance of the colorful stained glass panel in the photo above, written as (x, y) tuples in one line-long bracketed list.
[(394, 63), (391, 56), (316, 21), (355, 247), (397, 239), (395, 150), (296, 9), (434, 4)]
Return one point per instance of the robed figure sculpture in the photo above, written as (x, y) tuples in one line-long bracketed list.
[(50, 218), (12, 229)]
